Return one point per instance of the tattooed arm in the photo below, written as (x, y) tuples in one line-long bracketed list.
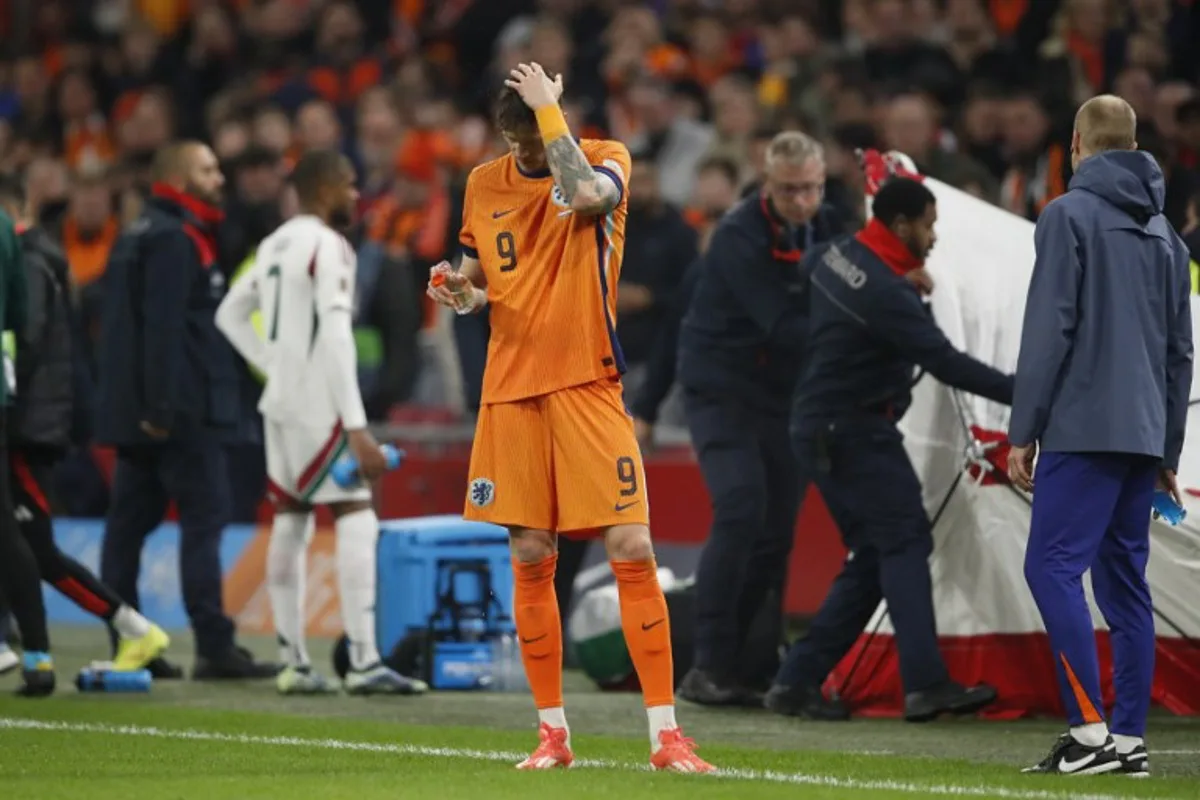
[(588, 190)]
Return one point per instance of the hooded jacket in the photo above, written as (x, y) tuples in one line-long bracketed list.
[(1106, 348), (43, 407)]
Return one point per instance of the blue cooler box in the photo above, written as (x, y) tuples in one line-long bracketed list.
[(410, 554)]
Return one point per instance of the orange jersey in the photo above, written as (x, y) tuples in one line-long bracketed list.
[(552, 276)]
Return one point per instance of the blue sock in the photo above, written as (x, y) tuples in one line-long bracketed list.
[(33, 661)]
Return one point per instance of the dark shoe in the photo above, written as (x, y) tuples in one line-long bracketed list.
[(234, 664), (37, 674), (1135, 763), (163, 670), (1069, 756), (949, 698), (751, 698), (704, 689), (805, 701)]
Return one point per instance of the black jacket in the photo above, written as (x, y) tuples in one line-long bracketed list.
[(161, 358), (744, 332), (42, 411), (870, 331), (660, 364)]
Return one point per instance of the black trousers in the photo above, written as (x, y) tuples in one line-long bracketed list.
[(192, 473), (20, 583), (874, 496), (755, 490), (32, 485)]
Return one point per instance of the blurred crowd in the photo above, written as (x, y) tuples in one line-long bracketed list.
[(980, 93)]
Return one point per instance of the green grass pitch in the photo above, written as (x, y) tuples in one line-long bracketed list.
[(196, 740)]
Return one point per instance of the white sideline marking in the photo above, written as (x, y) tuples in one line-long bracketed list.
[(829, 781)]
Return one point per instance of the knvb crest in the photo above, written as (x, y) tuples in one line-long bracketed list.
[(558, 198), (482, 492)]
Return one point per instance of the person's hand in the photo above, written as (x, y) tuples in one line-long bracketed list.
[(1020, 466), (644, 431), (1167, 483), (447, 286), (371, 463), (921, 279), (534, 85), (154, 432)]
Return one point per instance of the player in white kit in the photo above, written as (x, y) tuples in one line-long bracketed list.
[(302, 282)]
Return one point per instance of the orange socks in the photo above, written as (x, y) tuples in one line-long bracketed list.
[(539, 629), (647, 629)]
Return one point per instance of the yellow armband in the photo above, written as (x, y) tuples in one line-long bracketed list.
[(551, 122)]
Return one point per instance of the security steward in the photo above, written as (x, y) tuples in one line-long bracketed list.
[(168, 397), (739, 354), (869, 329)]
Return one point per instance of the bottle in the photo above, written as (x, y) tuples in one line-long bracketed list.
[(110, 680), (345, 470), (508, 671), (462, 296), (471, 628), (1165, 507)]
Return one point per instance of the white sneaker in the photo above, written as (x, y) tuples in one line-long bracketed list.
[(303, 680), (8, 659), (381, 679)]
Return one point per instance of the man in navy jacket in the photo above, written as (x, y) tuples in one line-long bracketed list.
[(1102, 391), (868, 330), (168, 397), (739, 354)]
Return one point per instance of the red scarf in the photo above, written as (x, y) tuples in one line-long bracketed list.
[(880, 240), (202, 227)]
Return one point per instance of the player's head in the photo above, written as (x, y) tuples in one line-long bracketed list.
[(324, 182), (1106, 122), (190, 167), (519, 127), (12, 196), (909, 210), (794, 176)]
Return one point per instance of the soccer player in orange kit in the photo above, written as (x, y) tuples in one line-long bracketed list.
[(555, 452)]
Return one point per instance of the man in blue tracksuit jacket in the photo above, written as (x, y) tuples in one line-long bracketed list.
[(1102, 391), (868, 330), (740, 346)]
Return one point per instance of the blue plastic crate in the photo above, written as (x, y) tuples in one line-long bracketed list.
[(461, 665), (410, 553)]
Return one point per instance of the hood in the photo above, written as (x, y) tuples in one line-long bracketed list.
[(1129, 179)]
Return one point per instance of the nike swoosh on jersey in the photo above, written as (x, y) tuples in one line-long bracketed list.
[(499, 214), (623, 506)]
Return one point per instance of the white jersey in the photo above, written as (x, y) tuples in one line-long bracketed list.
[(302, 281)]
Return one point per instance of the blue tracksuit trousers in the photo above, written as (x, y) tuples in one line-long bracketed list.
[(1092, 511)]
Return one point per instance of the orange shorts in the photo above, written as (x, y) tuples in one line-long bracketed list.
[(564, 461)]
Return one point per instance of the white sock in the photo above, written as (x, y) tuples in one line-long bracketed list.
[(1127, 744), (1093, 734), (357, 536), (287, 568), (555, 718), (662, 718), (129, 624)]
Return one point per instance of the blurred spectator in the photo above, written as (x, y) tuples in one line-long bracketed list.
[(659, 245), (676, 145), (90, 227), (1039, 166), (910, 126), (716, 192)]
